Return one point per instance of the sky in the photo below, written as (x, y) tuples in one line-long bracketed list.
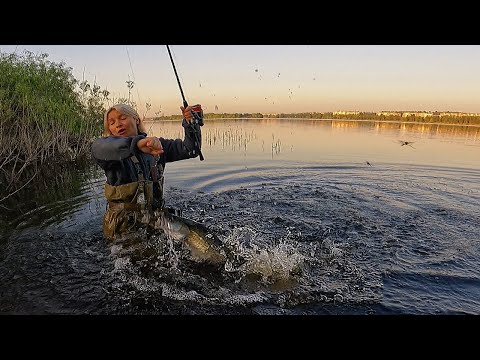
[(280, 78)]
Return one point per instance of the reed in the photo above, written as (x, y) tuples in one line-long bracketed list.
[(45, 114)]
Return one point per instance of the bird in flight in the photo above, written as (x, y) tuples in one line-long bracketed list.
[(403, 143)]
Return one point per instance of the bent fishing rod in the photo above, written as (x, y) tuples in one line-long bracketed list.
[(198, 119)]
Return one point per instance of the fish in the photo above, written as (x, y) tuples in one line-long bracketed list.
[(204, 244)]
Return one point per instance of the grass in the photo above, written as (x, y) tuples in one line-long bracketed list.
[(45, 113)]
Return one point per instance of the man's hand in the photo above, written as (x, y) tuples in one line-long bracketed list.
[(150, 145)]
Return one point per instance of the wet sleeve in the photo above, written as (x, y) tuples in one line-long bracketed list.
[(115, 148)]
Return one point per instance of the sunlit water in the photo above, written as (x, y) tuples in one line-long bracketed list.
[(330, 217)]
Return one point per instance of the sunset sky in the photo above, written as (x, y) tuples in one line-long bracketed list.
[(280, 78)]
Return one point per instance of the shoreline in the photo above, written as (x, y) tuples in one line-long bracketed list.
[(339, 120)]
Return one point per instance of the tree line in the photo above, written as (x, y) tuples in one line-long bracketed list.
[(442, 119)]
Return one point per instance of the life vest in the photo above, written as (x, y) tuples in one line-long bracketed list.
[(134, 202)]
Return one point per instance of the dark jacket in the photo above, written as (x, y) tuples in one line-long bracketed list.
[(113, 154)]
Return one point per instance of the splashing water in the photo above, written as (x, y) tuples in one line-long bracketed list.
[(274, 264)]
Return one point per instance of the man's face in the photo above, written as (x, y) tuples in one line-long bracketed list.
[(120, 124)]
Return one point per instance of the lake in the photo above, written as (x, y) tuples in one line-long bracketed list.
[(333, 217)]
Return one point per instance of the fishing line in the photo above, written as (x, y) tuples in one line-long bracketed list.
[(133, 75)]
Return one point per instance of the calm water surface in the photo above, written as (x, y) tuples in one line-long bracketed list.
[(334, 217)]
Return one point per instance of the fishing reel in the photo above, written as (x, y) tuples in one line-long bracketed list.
[(195, 124), (197, 113)]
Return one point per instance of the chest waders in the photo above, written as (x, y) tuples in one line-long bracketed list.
[(131, 203)]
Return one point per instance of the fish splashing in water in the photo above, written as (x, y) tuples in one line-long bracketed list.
[(203, 244)]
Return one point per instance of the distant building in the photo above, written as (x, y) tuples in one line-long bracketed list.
[(389, 113), (425, 114), (346, 112), (422, 114)]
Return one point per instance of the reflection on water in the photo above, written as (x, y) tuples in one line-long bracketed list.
[(56, 192), (236, 130), (330, 217), (231, 145)]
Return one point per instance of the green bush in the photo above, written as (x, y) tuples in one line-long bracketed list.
[(45, 114), (41, 100)]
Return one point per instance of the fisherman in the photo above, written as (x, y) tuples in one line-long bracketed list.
[(134, 164)]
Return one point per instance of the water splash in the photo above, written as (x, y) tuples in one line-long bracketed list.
[(272, 263)]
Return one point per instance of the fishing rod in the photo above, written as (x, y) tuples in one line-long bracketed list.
[(198, 119)]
